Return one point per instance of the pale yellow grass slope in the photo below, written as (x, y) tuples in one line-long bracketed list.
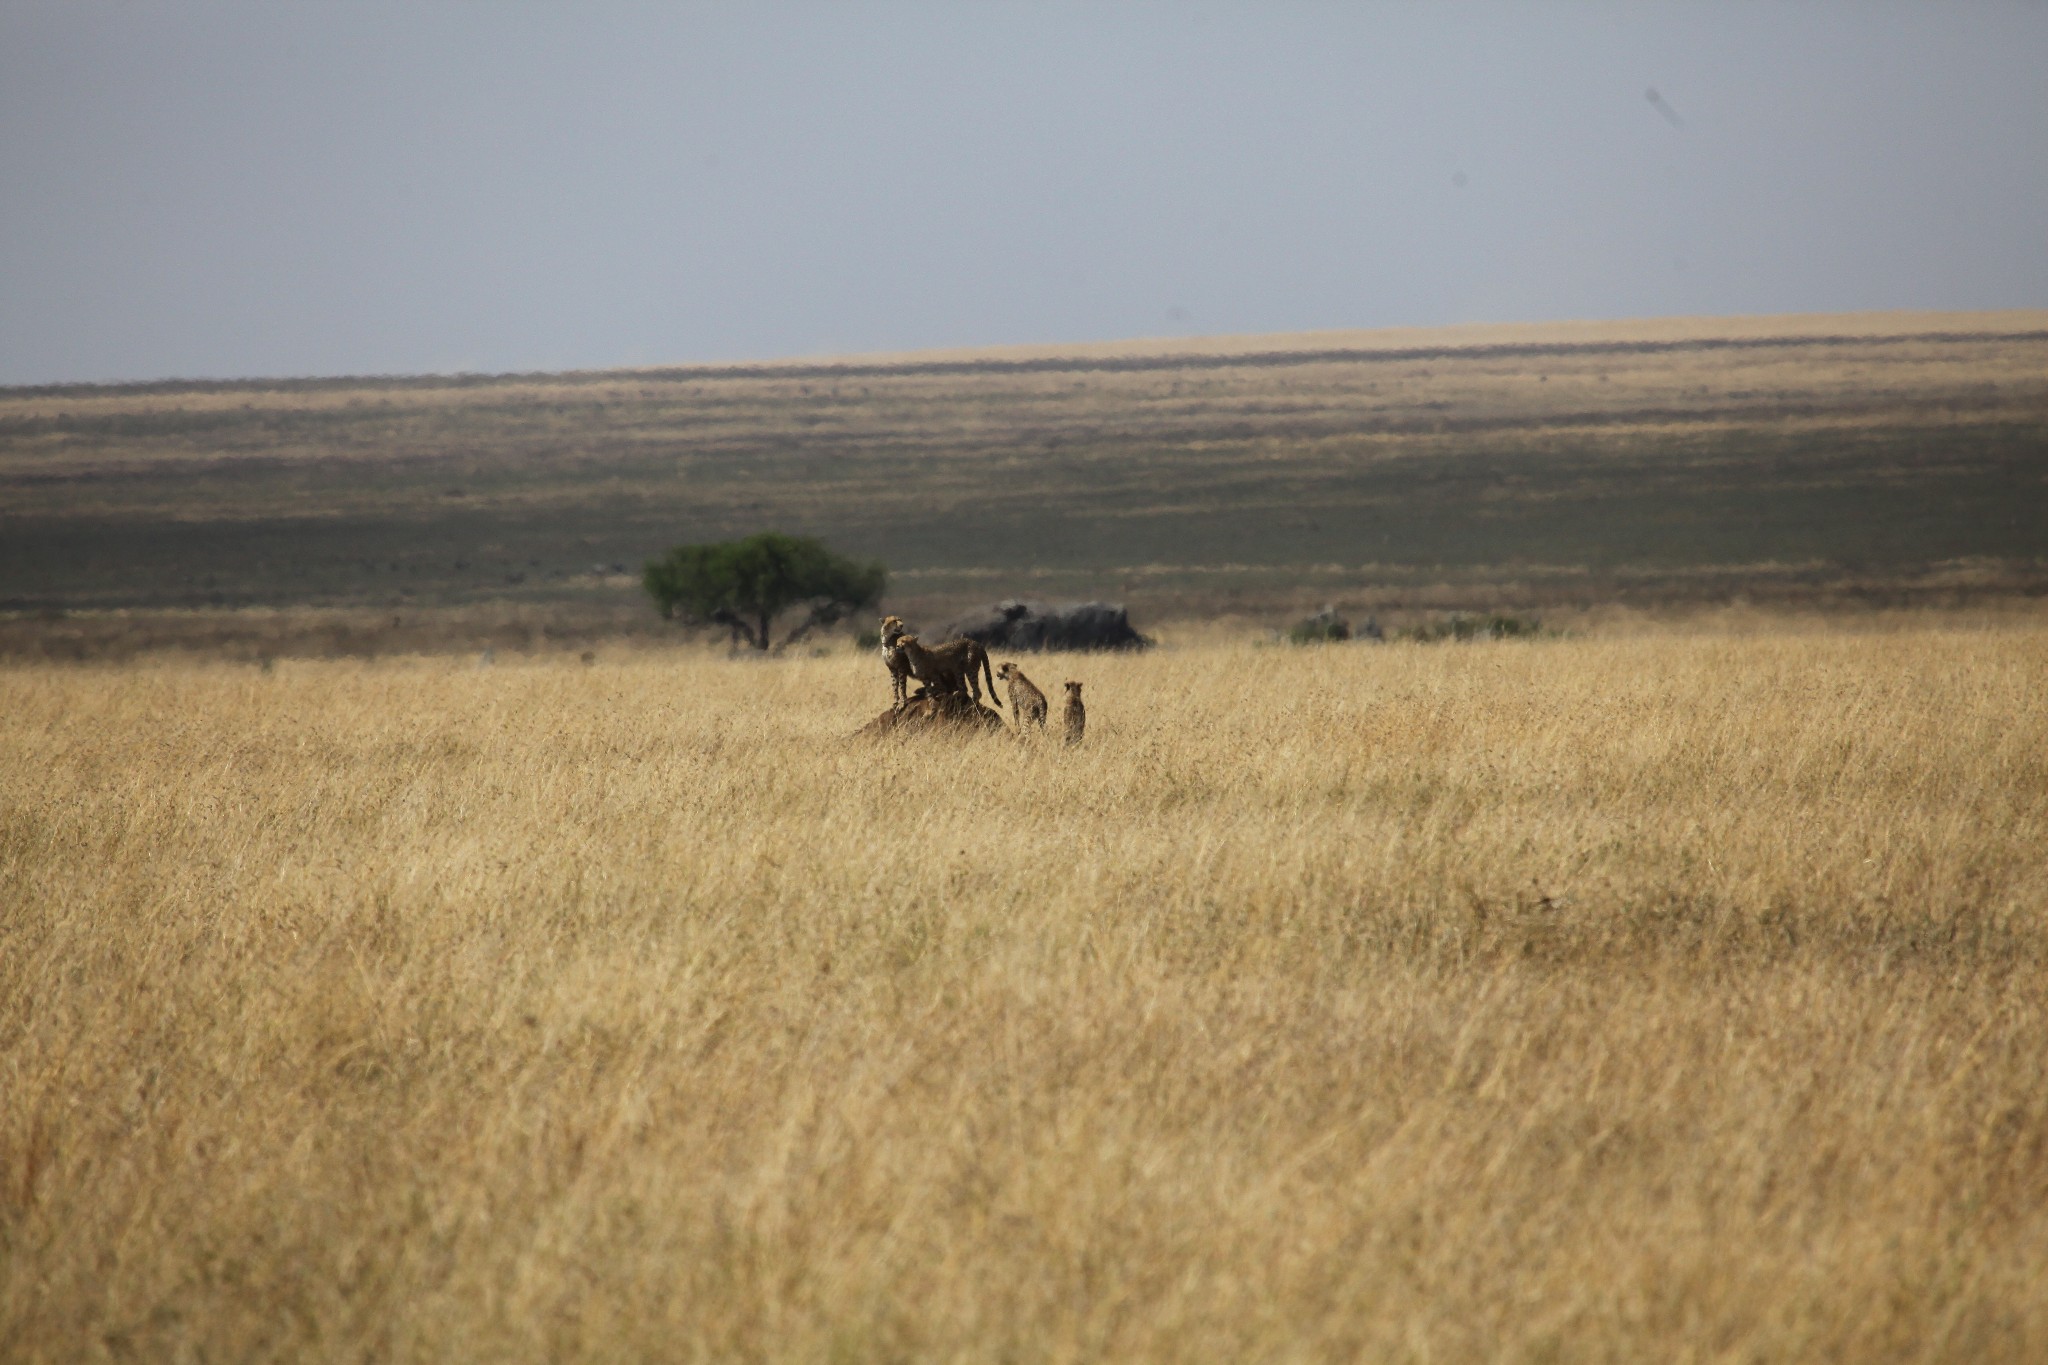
[(1787, 327), (342, 393), (1651, 998)]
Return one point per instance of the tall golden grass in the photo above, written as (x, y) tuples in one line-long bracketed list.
[(1674, 996)]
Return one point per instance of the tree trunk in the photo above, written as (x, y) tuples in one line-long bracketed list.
[(818, 617), (761, 642), (737, 624)]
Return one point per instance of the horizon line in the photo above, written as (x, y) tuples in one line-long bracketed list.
[(1564, 336)]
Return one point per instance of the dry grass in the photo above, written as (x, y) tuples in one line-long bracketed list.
[(1661, 997)]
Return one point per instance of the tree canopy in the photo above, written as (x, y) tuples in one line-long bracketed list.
[(745, 585)]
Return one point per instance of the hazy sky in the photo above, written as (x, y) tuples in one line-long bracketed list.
[(317, 188)]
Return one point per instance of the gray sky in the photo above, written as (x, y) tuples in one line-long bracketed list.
[(320, 188)]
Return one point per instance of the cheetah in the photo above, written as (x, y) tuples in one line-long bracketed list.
[(956, 666), (894, 659), (1075, 719), (1027, 703)]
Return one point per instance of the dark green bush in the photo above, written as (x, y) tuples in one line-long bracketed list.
[(1325, 627), (745, 585), (1474, 626)]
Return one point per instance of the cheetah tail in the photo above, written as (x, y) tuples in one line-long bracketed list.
[(992, 695)]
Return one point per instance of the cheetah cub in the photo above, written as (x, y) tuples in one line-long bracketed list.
[(1027, 703), (1076, 717)]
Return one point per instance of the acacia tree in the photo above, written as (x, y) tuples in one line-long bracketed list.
[(745, 584)]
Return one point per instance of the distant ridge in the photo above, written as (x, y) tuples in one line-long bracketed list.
[(1473, 336), (1640, 336)]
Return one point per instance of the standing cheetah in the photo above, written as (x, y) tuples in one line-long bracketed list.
[(894, 659), (955, 666)]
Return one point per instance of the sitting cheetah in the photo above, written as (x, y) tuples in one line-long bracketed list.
[(1076, 717), (1027, 703)]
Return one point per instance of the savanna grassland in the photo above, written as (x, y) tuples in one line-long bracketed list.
[(1880, 458), (1641, 995)]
